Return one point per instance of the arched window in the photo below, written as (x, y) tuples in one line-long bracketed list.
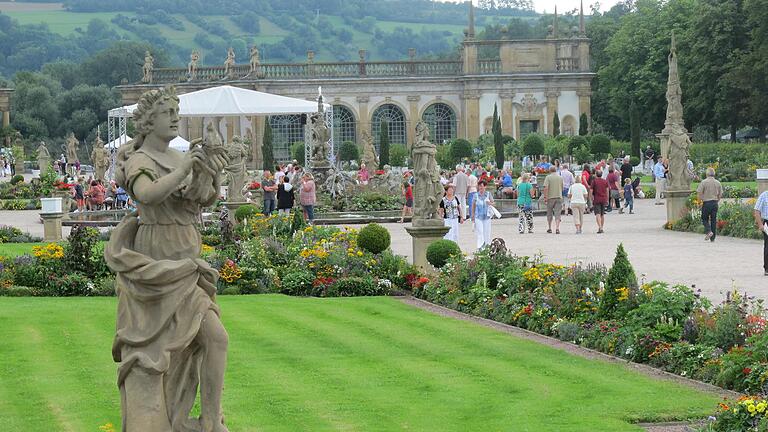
[(442, 122), (395, 119), (343, 125), (286, 130)]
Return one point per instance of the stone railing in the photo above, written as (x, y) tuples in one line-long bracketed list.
[(488, 66)]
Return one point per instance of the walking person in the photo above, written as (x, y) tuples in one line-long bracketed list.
[(407, 190), (761, 220), (307, 197), (525, 195), (553, 198), (285, 197), (615, 186), (481, 215), (629, 196), (471, 188), (600, 194), (578, 194), (449, 209), (626, 169), (269, 187), (710, 191), (461, 183), (568, 180), (650, 158), (660, 179)]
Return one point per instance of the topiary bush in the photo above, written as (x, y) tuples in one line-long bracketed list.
[(575, 143), (619, 284), (397, 155), (600, 145), (246, 211), (439, 252), (460, 149), (533, 145), (297, 151), (18, 178), (348, 151), (373, 238), (353, 287)]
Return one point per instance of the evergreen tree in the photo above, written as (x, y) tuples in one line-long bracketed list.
[(498, 143), (266, 148), (621, 282), (556, 125), (583, 124), (384, 144), (634, 129)]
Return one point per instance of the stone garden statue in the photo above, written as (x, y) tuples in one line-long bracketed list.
[(337, 183), (100, 158), (235, 170), (149, 66), (427, 191), (229, 64), (319, 136), (72, 152), (679, 176), (254, 60), (370, 158), (194, 59), (169, 340), (43, 158)]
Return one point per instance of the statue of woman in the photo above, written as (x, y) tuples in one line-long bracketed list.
[(370, 159), (320, 137), (428, 191), (169, 337), (679, 176), (236, 170)]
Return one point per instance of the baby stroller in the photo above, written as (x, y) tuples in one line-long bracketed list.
[(636, 187)]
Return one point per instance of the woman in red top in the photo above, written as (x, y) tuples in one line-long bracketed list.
[(408, 207), (96, 194), (585, 175)]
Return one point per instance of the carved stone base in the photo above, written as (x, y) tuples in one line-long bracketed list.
[(676, 204), (52, 226), (232, 208), (423, 236), (320, 173)]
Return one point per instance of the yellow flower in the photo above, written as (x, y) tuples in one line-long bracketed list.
[(49, 251), (359, 253), (206, 249), (623, 293), (751, 408)]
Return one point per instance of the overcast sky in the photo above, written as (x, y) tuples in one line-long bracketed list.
[(563, 5)]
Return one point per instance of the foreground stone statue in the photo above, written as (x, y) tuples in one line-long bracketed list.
[(43, 158), (100, 158), (236, 170), (428, 190), (169, 339), (370, 158)]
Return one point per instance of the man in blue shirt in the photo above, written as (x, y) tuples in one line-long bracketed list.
[(761, 218), (661, 180)]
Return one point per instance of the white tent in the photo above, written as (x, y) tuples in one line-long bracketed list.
[(118, 141), (179, 144), (226, 100)]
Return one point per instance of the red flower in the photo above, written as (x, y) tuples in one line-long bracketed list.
[(721, 224), (379, 172), (254, 186), (528, 310), (746, 371)]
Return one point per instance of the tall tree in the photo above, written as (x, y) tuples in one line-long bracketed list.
[(583, 124), (498, 141), (634, 129), (384, 144), (267, 152), (556, 125), (757, 12)]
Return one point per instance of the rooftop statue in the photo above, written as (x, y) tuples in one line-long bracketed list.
[(149, 66), (194, 59)]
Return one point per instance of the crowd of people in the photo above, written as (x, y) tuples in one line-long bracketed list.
[(280, 191)]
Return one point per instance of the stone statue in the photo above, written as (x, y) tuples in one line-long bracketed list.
[(100, 158), (337, 183), (679, 177), (169, 339), (43, 158), (149, 65), (254, 60), (235, 170), (370, 158), (427, 191), (194, 59), (319, 136), (72, 152), (229, 64)]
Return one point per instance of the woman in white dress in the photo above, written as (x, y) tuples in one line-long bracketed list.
[(449, 209)]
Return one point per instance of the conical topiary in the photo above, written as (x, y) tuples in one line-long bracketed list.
[(620, 282)]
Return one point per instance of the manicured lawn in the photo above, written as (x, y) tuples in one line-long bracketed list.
[(359, 364), (16, 249)]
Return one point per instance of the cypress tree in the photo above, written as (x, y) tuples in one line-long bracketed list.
[(498, 143), (634, 129), (384, 144), (556, 125), (583, 124), (266, 149)]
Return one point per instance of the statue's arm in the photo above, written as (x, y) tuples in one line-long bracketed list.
[(152, 191)]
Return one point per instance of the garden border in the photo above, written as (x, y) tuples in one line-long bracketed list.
[(568, 347)]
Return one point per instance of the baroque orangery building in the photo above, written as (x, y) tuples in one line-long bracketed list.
[(528, 80)]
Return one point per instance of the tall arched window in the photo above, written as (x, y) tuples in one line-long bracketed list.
[(286, 130), (395, 119), (442, 122), (343, 125)]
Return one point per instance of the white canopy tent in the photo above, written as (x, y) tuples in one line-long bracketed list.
[(226, 101), (117, 142)]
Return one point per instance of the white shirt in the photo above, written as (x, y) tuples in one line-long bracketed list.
[(578, 193), (472, 184)]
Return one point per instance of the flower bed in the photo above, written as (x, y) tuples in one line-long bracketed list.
[(734, 219), (669, 327)]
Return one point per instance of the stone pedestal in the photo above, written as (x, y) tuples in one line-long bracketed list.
[(66, 200), (320, 173), (52, 226), (676, 204), (423, 236), (232, 208)]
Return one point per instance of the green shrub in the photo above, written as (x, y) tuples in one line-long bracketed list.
[(352, 287), (70, 285), (460, 149), (297, 282), (371, 201), (600, 145), (373, 238), (8, 232), (568, 331), (576, 142), (634, 160), (14, 204), (106, 286), (17, 291), (533, 145), (18, 178), (31, 275), (620, 277), (397, 155), (582, 154), (82, 255), (348, 151), (297, 151), (246, 212), (233, 290), (439, 252)]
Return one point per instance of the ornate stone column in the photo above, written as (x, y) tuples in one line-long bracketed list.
[(506, 111), (257, 140), (413, 115), (472, 113), (552, 96), (364, 121)]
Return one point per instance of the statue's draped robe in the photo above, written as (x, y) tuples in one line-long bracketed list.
[(164, 292)]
